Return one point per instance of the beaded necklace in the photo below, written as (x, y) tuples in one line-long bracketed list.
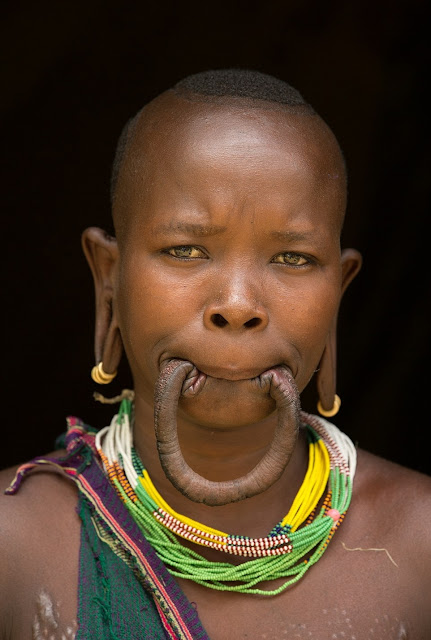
[(291, 547)]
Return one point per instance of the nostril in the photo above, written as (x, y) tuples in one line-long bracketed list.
[(218, 320), (253, 322)]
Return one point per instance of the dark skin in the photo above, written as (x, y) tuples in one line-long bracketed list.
[(228, 222)]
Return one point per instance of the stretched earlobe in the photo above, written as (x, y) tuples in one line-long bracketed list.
[(329, 402), (101, 251), (327, 376)]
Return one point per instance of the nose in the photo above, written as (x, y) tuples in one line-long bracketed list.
[(236, 307)]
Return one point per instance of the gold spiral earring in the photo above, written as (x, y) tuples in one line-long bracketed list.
[(100, 376)]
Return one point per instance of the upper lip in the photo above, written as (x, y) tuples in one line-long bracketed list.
[(232, 373)]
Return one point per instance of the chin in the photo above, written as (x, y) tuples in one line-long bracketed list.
[(225, 404)]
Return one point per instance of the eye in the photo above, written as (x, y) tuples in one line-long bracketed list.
[(186, 251), (294, 259)]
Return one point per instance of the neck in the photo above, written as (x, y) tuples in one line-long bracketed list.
[(222, 455)]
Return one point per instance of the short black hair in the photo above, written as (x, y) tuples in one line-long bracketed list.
[(218, 85), (240, 83)]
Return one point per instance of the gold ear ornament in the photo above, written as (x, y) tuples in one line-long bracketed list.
[(100, 376), (331, 412)]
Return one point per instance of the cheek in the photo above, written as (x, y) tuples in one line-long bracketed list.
[(307, 315), (149, 305), (314, 318)]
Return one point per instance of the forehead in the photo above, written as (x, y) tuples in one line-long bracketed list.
[(227, 150)]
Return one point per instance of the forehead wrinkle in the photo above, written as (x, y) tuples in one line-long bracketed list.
[(193, 228)]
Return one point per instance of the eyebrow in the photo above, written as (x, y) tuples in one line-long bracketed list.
[(292, 236), (195, 229)]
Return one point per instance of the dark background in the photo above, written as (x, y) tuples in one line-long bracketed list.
[(74, 72)]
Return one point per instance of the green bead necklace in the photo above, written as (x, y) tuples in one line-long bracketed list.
[(287, 552)]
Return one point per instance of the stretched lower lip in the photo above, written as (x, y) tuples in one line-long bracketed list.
[(277, 381)]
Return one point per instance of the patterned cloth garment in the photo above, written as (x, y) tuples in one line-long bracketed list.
[(125, 591)]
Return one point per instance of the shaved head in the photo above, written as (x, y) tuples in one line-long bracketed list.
[(231, 90)]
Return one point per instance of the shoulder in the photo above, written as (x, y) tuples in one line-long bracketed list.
[(40, 486), (37, 525), (398, 486), (392, 508), (44, 498)]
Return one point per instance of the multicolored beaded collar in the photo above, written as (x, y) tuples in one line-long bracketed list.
[(291, 547)]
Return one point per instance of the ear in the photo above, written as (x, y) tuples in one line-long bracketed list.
[(351, 262), (101, 251)]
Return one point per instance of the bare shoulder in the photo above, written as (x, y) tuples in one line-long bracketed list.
[(39, 492), (392, 510), (45, 500), (400, 488), (39, 539)]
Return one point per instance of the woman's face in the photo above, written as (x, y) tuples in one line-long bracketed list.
[(229, 252)]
